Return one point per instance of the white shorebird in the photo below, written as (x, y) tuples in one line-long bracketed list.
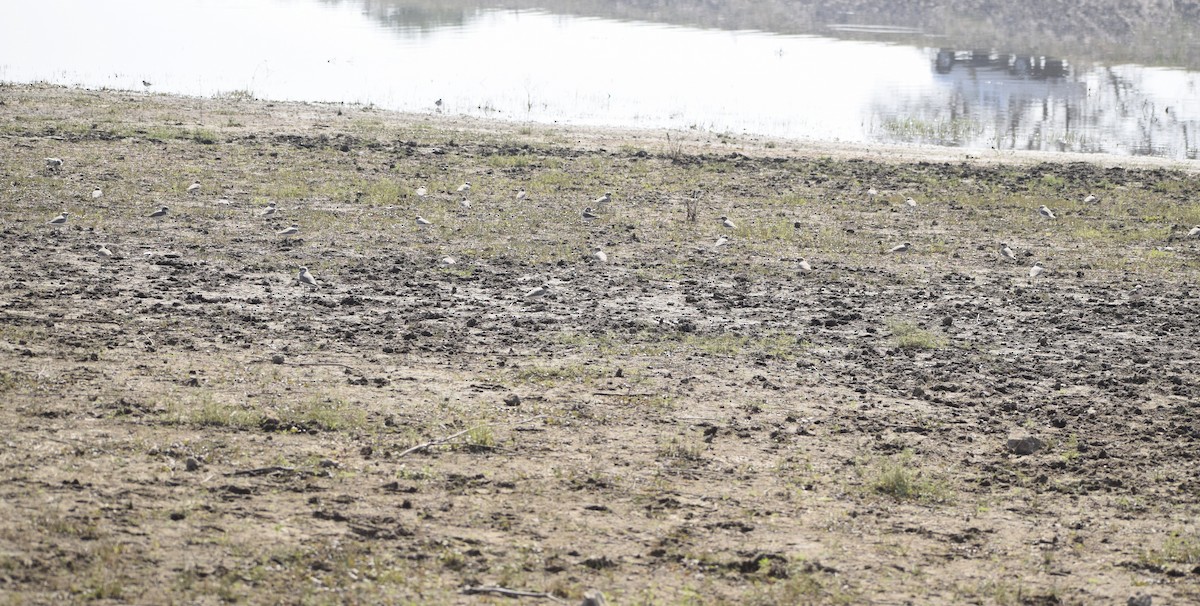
[(727, 223), (899, 248), (1136, 294), (1194, 232), (872, 192), (466, 186), (162, 212), (54, 163), (805, 266), (224, 202), (421, 192), (911, 203), (270, 209), (588, 215), (1007, 252), (721, 241), (465, 204), (194, 187), (1036, 270), (538, 292), (103, 251), (1046, 212), (602, 200), (1091, 198), (96, 193), (521, 194), (599, 255), (289, 231), (422, 223), (307, 278), (59, 220), (448, 261)]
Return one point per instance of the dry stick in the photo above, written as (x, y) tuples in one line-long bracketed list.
[(438, 441), (510, 593)]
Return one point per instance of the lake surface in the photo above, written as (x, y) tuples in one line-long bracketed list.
[(858, 82)]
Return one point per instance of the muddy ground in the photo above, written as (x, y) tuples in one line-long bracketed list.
[(184, 422)]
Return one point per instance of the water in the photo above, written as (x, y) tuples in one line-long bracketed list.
[(859, 82)]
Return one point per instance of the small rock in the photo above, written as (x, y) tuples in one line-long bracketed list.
[(947, 321), (513, 400), (1025, 446), (277, 359), (191, 464), (620, 373), (1141, 599)]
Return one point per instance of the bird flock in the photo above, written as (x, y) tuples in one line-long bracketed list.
[(588, 215)]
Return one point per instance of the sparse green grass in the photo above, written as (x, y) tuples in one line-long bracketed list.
[(902, 478), (907, 335), (1179, 548)]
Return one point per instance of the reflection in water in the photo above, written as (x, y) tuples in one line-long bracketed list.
[(1012, 101), (531, 65)]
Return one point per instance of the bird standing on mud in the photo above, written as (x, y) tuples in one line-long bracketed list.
[(599, 255), (1194, 232), (422, 223), (1046, 212), (1036, 270), (306, 278), (96, 193), (727, 223), (103, 251), (162, 212), (194, 187), (602, 200), (465, 187), (900, 248), (805, 266), (289, 232), (269, 210), (588, 215), (53, 163), (59, 220), (1007, 252)]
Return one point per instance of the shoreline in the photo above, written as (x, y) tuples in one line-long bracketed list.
[(660, 141)]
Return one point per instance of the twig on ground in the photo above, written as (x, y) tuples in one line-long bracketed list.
[(511, 593), (439, 441)]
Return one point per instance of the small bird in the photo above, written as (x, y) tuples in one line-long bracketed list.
[(289, 231), (223, 202), (539, 291), (727, 223), (465, 204), (1194, 232), (1136, 294), (54, 163), (1007, 252), (910, 202), (269, 210), (602, 200), (900, 248), (599, 255), (422, 191), (194, 187), (1036, 270), (588, 215), (448, 261), (422, 223), (60, 219), (96, 193), (162, 212), (438, 103), (805, 266), (307, 278), (1091, 198), (466, 186), (1046, 212), (103, 251), (872, 192), (521, 194), (721, 241), (146, 83)]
